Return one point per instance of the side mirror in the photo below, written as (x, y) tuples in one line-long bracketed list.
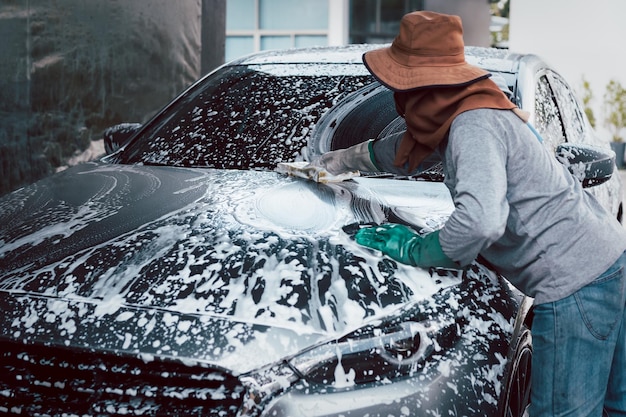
[(592, 165), (117, 136)]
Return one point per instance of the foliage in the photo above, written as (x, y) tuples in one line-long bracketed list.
[(615, 109), (500, 9), (34, 144), (587, 97)]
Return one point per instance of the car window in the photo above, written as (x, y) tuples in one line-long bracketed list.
[(568, 105), (368, 113), (547, 115), (361, 115), (246, 117)]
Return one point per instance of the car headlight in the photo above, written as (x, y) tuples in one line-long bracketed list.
[(373, 354), (262, 385)]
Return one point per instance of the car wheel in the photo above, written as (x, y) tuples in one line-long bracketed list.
[(516, 395)]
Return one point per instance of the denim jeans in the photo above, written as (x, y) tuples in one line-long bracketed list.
[(579, 350)]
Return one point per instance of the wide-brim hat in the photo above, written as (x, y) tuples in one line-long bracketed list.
[(428, 51)]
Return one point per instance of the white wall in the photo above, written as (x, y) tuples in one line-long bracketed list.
[(474, 13), (338, 22), (578, 38)]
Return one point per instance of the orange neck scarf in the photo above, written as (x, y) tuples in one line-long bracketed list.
[(429, 112)]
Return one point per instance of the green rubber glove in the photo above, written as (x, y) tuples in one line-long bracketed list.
[(401, 243)]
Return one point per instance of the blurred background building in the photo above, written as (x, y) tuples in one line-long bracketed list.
[(256, 25)]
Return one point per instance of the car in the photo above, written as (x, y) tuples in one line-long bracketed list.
[(182, 274)]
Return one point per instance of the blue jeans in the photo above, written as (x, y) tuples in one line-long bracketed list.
[(579, 350)]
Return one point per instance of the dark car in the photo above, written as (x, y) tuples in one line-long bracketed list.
[(182, 275)]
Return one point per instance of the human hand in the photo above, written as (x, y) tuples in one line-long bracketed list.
[(333, 162), (354, 158), (394, 240), (402, 244)]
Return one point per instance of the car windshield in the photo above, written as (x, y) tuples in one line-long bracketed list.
[(245, 117)]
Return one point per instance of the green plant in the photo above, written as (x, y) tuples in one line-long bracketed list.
[(615, 108), (587, 97)]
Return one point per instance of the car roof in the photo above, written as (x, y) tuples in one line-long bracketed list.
[(490, 59)]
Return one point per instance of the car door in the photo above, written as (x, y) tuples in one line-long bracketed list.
[(559, 119), (569, 108)]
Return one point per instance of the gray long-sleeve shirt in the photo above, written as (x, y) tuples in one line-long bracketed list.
[(518, 207)]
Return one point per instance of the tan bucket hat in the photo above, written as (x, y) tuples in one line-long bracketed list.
[(428, 51)]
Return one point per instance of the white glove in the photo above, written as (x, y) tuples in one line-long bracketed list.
[(354, 158)]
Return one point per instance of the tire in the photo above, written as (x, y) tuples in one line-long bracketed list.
[(515, 396)]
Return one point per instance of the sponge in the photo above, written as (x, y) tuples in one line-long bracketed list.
[(313, 172)]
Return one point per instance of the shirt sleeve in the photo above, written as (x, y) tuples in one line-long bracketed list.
[(475, 160), (385, 150)]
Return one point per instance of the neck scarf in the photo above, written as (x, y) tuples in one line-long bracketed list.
[(429, 112)]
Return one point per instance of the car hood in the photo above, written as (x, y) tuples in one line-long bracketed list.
[(233, 268)]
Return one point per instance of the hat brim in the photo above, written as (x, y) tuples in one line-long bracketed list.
[(399, 77)]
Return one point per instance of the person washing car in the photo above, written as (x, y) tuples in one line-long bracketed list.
[(515, 205)]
